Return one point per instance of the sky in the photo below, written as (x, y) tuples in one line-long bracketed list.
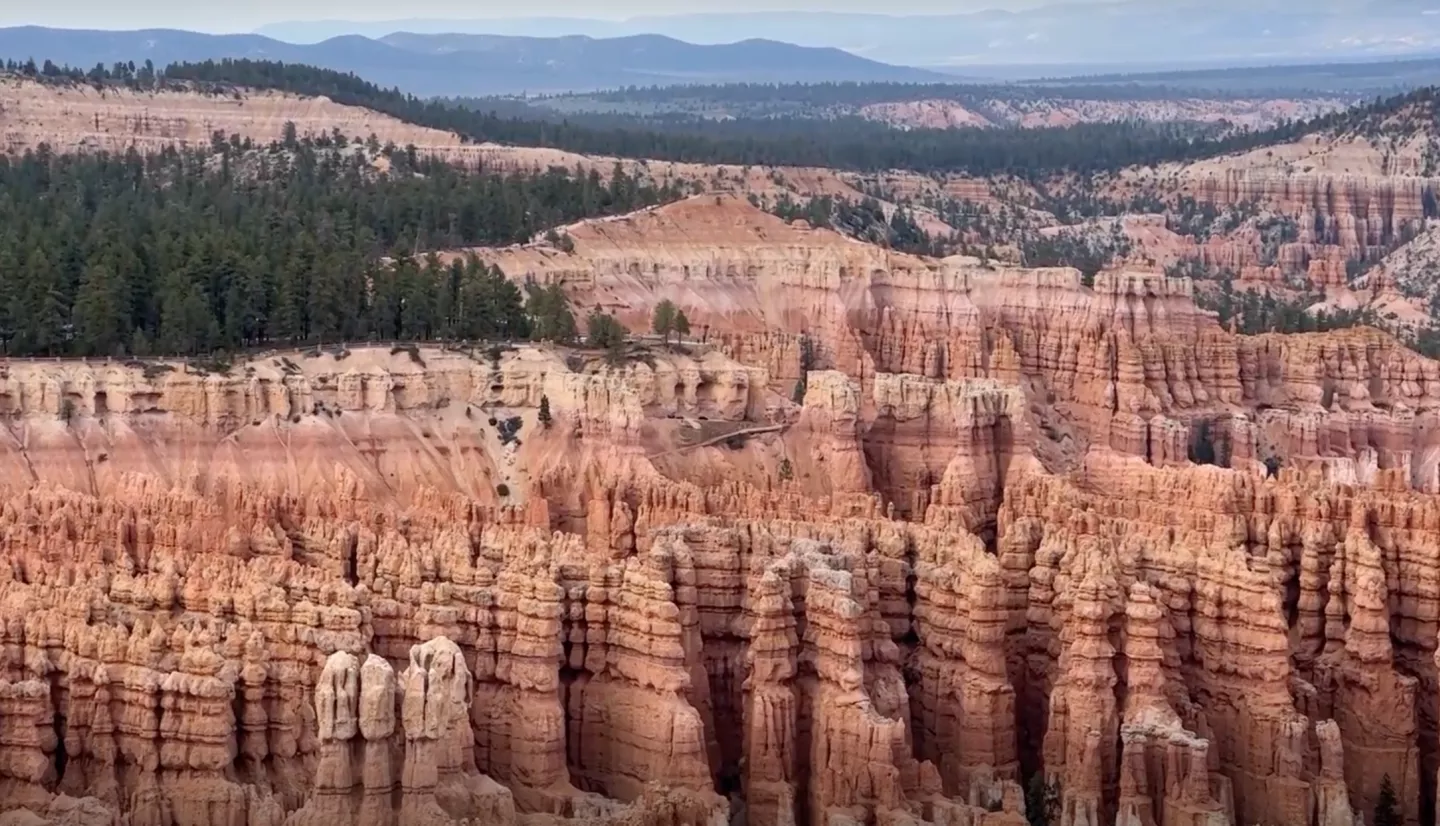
[(246, 15)]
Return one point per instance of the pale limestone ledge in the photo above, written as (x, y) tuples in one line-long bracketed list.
[(375, 380)]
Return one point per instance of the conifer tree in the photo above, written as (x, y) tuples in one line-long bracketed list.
[(604, 332), (662, 321), (550, 315), (1043, 803), (1387, 807), (41, 322), (101, 322)]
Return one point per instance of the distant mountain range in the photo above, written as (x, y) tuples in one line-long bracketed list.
[(1144, 33), (474, 65)]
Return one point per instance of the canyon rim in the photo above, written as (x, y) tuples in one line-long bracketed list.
[(887, 540)]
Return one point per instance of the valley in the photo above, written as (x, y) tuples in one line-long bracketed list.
[(1061, 488)]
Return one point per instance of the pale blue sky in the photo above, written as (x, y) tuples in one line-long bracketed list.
[(246, 15)]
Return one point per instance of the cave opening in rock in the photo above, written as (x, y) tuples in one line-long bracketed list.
[(910, 671), (1290, 602), (705, 398)]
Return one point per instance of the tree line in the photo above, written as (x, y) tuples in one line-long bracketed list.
[(854, 93), (1252, 312), (865, 221), (842, 142), (234, 246), (851, 143), (142, 76)]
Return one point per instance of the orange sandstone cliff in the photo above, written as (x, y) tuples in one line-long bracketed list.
[(886, 540)]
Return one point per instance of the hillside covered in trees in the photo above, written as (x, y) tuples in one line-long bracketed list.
[(848, 143), (304, 241), (818, 96), (236, 246)]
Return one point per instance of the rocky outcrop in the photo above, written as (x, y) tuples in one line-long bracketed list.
[(1315, 215), (1252, 547), (947, 444), (1365, 205), (1043, 112), (1165, 770), (1129, 364), (1011, 531), (79, 116)]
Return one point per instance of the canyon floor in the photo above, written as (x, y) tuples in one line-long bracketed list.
[(885, 539)]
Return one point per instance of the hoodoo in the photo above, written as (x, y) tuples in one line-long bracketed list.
[(885, 539)]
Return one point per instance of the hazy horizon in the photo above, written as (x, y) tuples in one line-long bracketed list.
[(248, 17), (1090, 33)]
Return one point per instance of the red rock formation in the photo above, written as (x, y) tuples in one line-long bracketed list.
[(978, 549), (1363, 207)]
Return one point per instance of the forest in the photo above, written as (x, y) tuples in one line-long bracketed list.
[(304, 241), (1253, 312), (821, 95), (865, 221), (849, 143), (1383, 76)]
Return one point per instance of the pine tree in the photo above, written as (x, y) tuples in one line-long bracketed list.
[(544, 415), (140, 343), (1042, 801), (418, 288), (167, 253), (1387, 807), (604, 332), (682, 324), (549, 312), (807, 361), (508, 310), (41, 322), (662, 321), (102, 326), (186, 325), (9, 299)]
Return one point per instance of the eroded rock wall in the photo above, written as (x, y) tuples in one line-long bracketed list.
[(1010, 532)]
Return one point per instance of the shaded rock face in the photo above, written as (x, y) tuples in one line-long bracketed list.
[(1010, 532)]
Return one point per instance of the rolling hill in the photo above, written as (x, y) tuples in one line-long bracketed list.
[(460, 65), (975, 40)]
